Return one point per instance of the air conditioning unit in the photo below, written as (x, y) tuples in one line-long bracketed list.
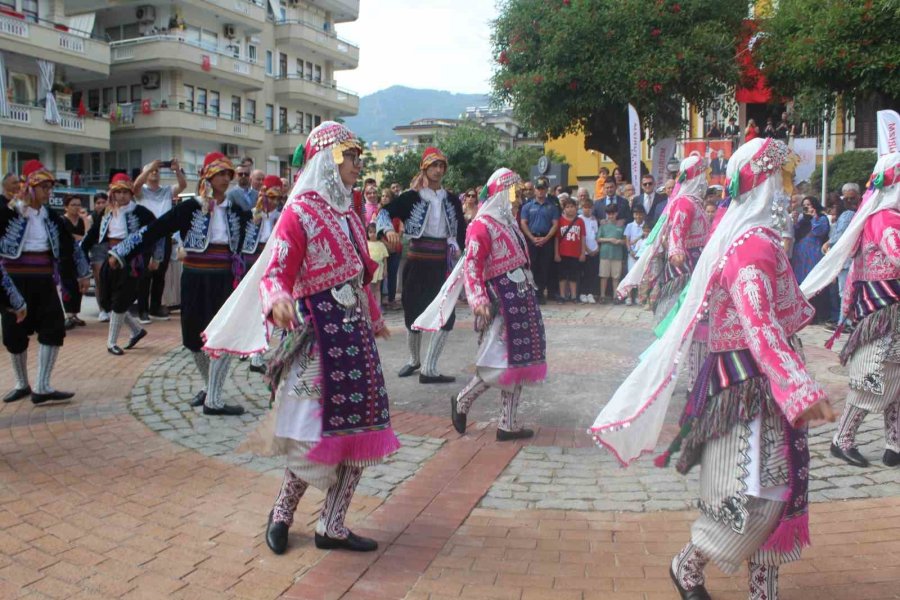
[(229, 31), (146, 14), (230, 150), (150, 80)]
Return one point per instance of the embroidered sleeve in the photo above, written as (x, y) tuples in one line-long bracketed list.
[(751, 280), (11, 297), (383, 222), (399, 208), (478, 250), (82, 266), (889, 221), (135, 242), (92, 236), (288, 252), (680, 227)]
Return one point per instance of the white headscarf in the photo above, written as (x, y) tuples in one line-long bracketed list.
[(240, 327), (881, 195), (500, 191), (630, 423)]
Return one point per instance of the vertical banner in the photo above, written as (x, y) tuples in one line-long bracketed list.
[(806, 150), (634, 134), (663, 150), (888, 124)]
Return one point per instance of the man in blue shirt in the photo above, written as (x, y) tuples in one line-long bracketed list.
[(539, 221)]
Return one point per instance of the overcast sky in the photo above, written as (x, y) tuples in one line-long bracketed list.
[(442, 44)]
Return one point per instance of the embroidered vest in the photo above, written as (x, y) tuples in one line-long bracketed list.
[(507, 247), (197, 238), (13, 239), (414, 226)]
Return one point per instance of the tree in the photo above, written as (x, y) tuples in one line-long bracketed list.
[(848, 167), (816, 51), (472, 153), (400, 167), (575, 65)]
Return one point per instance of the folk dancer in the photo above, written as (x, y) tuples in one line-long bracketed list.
[(212, 232), (746, 418), (500, 289), (122, 219), (331, 412), (872, 302), (434, 223), (34, 248)]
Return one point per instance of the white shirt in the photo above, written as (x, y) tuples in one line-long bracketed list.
[(157, 201), (118, 227), (633, 232), (648, 202), (590, 232), (218, 224), (267, 225), (435, 221), (36, 238)]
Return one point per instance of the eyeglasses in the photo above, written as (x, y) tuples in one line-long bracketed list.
[(243, 174), (354, 158), (645, 183)]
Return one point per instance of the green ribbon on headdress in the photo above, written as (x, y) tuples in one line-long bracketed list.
[(734, 186), (297, 159), (878, 181), (484, 194)]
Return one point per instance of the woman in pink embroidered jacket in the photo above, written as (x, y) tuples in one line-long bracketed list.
[(746, 416), (872, 302)]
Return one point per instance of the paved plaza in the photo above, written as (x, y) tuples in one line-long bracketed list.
[(128, 492)]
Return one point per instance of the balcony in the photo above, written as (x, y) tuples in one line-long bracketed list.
[(26, 122), (293, 88), (342, 11), (249, 13), (287, 141), (165, 52), (306, 37), (53, 42), (177, 121)]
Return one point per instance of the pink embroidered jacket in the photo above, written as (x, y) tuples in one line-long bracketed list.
[(755, 303), (878, 257), (688, 225), (492, 249), (312, 254)]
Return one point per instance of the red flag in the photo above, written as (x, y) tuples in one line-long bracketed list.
[(204, 63), (82, 109), (146, 107)]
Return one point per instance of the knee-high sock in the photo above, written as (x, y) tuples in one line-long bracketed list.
[(763, 582), (414, 341), (469, 394), (218, 370), (20, 368), (892, 426), (202, 362), (845, 436), (435, 347), (256, 360), (337, 501), (115, 324), (509, 405), (688, 567), (292, 489), (46, 360), (132, 324)]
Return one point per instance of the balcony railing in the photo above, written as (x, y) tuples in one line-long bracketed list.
[(329, 32), (127, 49), (39, 38), (88, 131)]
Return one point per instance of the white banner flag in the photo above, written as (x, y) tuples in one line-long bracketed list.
[(634, 134), (662, 152), (806, 150), (888, 126)]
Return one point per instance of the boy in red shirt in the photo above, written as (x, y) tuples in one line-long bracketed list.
[(570, 250)]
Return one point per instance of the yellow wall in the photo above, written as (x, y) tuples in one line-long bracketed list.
[(584, 164)]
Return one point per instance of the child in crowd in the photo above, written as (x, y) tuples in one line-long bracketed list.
[(711, 207), (633, 233), (570, 250), (612, 251), (372, 202), (639, 247), (379, 253), (590, 273)]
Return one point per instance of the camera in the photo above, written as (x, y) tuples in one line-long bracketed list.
[(165, 164)]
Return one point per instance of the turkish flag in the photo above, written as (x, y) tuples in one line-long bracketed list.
[(204, 63), (146, 107), (82, 109)]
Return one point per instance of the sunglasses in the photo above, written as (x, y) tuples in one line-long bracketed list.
[(470, 195), (645, 183)]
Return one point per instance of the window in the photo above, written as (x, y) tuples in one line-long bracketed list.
[(309, 124), (134, 160), (188, 98), (251, 53), (214, 103), (309, 70), (318, 76), (317, 120), (209, 40), (270, 116), (136, 93), (298, 122), (192, 35), (268, 62), (282, 64), (24, 88), (30, 8), (282, 120), (300, 68), (251, 111), (94, 100), (235, 108), (121, 94), (107, 98), (201, 100)]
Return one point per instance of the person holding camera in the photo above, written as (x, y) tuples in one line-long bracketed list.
[(159, 200)]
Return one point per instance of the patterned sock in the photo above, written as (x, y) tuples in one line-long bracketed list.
[(763, 582), (218, 371), (337, 501), (851, 419), (292, 489), (435, 347), (469, 394), (892, 426), (20, 369), (46, 360), (256, 360), (414, 342), (509, 405), (688, 567), (202, 362), (115, 324), (133, 324)]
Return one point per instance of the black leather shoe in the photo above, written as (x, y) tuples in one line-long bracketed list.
[(851, 456), (54, 396), (408, 370), (258, 368), (505, 436), (458, 418), (891, 458), (698, 593), (436, 378), (276, 535), (227, 410), (135, 339), (115, 350), (199, 399), (17, 394), (353, 542)]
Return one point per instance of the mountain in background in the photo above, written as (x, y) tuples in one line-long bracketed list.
[(380, 112)]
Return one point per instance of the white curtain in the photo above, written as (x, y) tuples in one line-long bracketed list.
[(82, 25), (4, 107), (51, 112)]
